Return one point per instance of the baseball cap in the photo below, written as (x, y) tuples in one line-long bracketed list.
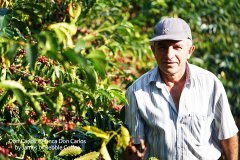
[(171, 29)]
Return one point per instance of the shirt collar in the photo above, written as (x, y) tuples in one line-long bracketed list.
[(156, 77), (190, 76)]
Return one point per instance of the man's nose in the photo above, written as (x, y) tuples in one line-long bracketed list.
[(170, 52)]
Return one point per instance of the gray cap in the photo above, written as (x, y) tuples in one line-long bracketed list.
[(171, 29)]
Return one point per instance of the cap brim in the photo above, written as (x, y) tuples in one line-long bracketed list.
[(169, 37)]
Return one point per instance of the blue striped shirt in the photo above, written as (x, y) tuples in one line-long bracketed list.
[(204, 116)]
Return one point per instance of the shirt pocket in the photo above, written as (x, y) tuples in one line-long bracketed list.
[(198, 128)]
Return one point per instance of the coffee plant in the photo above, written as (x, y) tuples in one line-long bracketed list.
[(64, 67), (58, 85)]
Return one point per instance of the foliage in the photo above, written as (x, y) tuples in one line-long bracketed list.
[(89, 156), (65, 66), (71, 150), (53, 77)]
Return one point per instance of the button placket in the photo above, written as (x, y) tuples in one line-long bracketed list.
[(179, 136)]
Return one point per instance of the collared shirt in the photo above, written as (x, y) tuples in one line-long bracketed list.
[(194, 132)]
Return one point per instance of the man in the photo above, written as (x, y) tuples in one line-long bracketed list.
[(178, 111)]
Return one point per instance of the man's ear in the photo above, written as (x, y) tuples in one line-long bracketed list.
[(191, 50)]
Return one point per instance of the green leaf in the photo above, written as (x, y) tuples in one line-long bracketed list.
[(17, 88), (3, 74), (67, 29), (90, 115), (64, 27), (19, 96), (59, 102), (70, 93), (75, 58), (117, 93), (79, 46), (48, 41), (32, 54), (89, 156), (12, 85), (57, 71), (91, 78), (24, 9), (36, 105), (70, 151), (99, 122), (20, 25), (125, 136), (77, 87), (8, 32), (99, 62), (104, 151), (38, 7), (105, 93), (96, 131), (12, 52), (74, 13), (49, 101), (4, 18)]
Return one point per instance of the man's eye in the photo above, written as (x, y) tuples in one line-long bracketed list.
[(177, 47), (161, 47)]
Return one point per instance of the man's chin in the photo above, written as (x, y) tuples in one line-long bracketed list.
[(171, 71)]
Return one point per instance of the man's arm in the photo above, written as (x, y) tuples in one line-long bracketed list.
[(230, 147)]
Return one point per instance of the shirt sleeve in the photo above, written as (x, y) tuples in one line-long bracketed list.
[(133, 118), (224, 120)]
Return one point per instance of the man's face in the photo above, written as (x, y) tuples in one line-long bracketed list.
[(172, 56)]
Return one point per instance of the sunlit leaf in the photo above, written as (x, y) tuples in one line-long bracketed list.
[(12, 85), (59, 102), (125, 136), (89, 156), (119, 142), (74, 12), (96, 131), (104, 152), (5, 61), (64, 29), (70, 151), (79, 46), (57, 71)]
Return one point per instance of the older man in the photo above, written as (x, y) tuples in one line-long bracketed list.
[(178, 111)]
